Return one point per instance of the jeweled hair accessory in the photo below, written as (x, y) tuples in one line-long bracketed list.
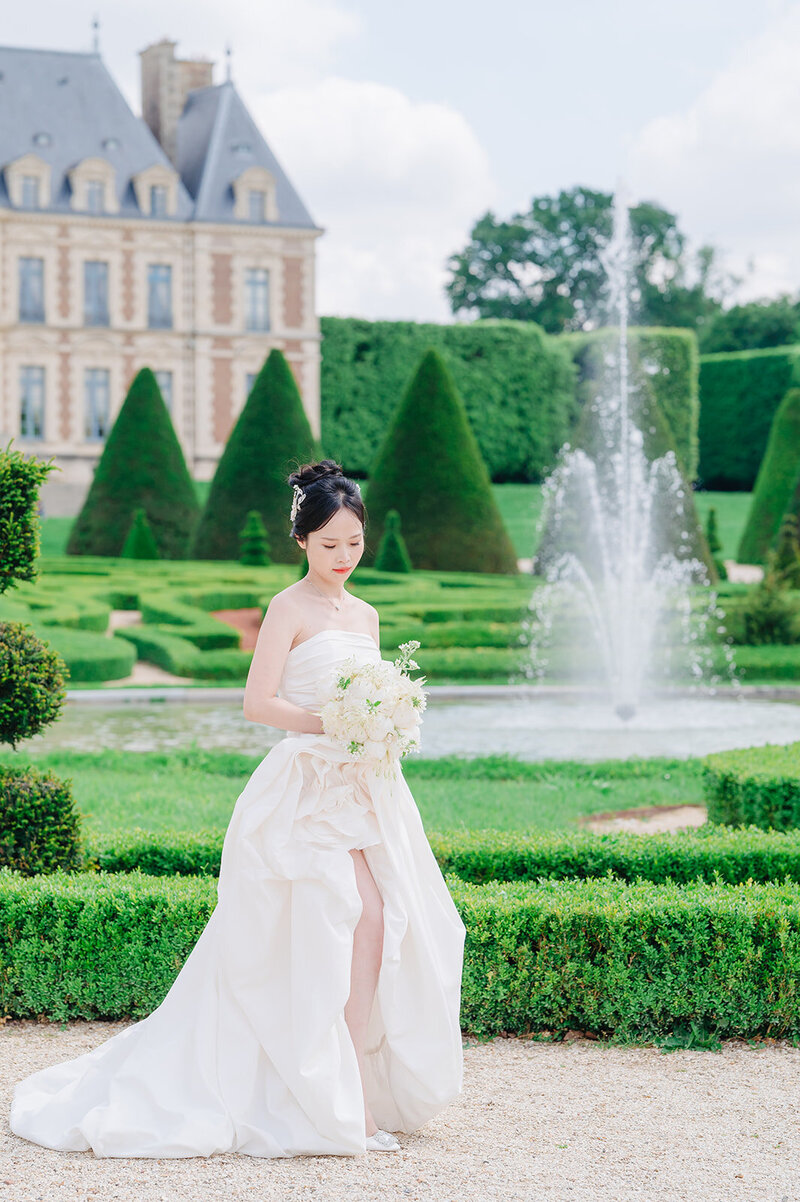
[(299, 497)]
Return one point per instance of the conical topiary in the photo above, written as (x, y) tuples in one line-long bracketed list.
[(430, 469), (712, 533), (142, 465), (254, 542), (140, 543), (777, 490), (272, 435), (392, 553)]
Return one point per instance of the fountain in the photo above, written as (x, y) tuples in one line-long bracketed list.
[(621, 553)]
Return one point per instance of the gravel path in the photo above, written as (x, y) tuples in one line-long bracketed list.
[(569, 1122)]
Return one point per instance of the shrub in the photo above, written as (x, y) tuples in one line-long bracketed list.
[(20, 481), (769, 615), (254, 541), (39, 825), (757, 785), (142, 465), (271, 435), (429, 468), (628, 961), (777, 490), (787, 551), (140, 543), (392, 555), (739, 396), (710, 853), (31, 683), (516, 382)]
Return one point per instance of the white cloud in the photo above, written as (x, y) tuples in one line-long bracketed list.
[(730, 163), (395, 183)]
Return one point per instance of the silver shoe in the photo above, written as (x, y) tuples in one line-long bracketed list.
[(382, 1141)]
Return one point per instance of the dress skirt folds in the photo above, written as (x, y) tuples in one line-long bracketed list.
[(249, 1051)]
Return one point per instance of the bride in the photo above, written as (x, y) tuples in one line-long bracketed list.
[(318, 1012)]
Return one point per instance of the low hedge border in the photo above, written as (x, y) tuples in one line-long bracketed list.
[(757, 785), (712, 853), (630, 962)]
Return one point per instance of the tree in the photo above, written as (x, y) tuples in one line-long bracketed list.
[(546, 266), (142, 466), (777, 488), (754, 326), (429, 468), (254, 541), (140, 543), (271, 435), (392, 554)]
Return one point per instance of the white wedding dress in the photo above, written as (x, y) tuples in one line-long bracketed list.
[(249, 1051)]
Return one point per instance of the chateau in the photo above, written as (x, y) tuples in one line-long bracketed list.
[(173, 241)]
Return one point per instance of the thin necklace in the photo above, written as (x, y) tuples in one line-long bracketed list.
[(337, 605)]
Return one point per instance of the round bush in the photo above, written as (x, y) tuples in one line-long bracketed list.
[(31, 683), (39, 825)]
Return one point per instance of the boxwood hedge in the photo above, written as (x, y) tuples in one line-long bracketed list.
[(632, 961), (756, 785)]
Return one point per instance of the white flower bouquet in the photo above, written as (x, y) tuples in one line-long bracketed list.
[(374, 709)]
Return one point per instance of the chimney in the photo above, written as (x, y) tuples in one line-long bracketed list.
[(166, 82)]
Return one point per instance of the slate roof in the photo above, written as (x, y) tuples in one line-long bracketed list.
[(217, 141), (71, 97)]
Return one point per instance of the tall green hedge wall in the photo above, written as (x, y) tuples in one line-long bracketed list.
[(516, 382), (739, 396), (522, 389), (667, 362)]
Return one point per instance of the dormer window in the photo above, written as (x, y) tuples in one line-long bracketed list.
[(94, 186), (95, 196), (254, 197), (257, 203), (158, 200), (30, 192)]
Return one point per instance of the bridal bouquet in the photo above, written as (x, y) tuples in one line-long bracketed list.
[(374, 710)]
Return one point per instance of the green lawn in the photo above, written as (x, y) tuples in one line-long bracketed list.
[(194, 789), (732, 510)]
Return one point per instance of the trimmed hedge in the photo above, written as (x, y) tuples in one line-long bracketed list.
[(628, 961), (710, 853), (739, 396), (667, 360), (88, 656), (516, 382), (777, 490), (757, 785)]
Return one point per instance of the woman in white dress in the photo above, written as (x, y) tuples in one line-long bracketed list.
[(318, 1012)]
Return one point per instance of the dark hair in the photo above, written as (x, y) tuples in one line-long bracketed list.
[(326, 490)]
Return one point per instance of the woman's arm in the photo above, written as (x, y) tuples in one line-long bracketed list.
[(261, 704)]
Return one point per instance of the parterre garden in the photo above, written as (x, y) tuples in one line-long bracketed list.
[(109, 859)]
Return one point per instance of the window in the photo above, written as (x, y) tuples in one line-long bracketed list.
[(95, 293), (164, 381), (158, 200), (31, 289), (30, 192), (31, 391), (95, 196), (256, 286), (97, 396), (159, 296), (257, 205)]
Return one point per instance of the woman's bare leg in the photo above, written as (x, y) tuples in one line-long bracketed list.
[(366, 964)]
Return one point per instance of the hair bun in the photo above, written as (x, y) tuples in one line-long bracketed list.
[(309, 473)]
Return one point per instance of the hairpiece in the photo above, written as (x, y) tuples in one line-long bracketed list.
[(299, 497)]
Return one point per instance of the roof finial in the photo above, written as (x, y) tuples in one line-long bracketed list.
[(95, 34), (228, 57)]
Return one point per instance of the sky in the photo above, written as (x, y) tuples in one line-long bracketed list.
[(400, 125)]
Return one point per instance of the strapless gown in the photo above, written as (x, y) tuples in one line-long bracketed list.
[(249, 1051)]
